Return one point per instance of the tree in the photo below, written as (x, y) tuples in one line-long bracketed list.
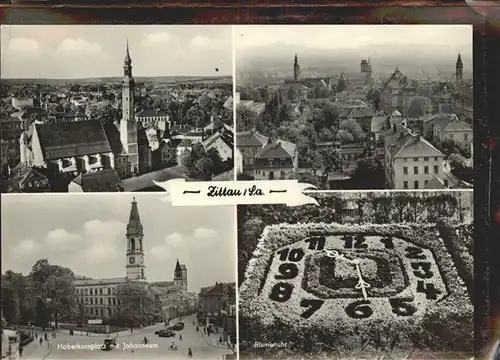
[(321, 91), (246, 118), (137, 304), (102, 111), (196, 116), (53, 290), (374, 96), (369, 174), (292, 94), (341, 84), (354, 128), (9, 153)]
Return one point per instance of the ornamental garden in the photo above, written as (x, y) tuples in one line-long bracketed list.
[(353, 290)]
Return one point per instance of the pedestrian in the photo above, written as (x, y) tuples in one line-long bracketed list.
[(46, 337), (41, 340), (220, 339), (36, 335), (180, 337), (190, 353), (20, 351)]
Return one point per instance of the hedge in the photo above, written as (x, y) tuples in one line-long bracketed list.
[(447, 325)]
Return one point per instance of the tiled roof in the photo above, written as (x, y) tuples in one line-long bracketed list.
[(151, 113), (228, 104), (359, 112), (82, 282), (20, 173), (411, 145), (278, 149), (378, 123), (101, 181), (250, 138), (185, 143), (456, 126), (226, 176), (145, 182), (9, 119), (72, 139)]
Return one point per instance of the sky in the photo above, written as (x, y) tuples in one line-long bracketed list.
[(86, 232), (352, 36), (89, 51)]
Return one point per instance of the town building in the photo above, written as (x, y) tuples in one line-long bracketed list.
[(102, 181), (397, 93), (410, 162), (20, 103), (276, 160), (68, 149), (217, 306), (249, 143), (439, 128), (99, 298)]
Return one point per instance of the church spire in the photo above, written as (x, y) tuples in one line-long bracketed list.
[(459, 68), (134, 226), (128, 60), (178, 267)]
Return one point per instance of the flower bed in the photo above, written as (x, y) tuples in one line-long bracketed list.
[(275, 320), (458, 240)]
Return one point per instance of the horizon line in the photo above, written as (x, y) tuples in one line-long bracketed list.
[(117, 77)]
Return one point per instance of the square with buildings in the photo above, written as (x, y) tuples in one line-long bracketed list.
[(355, 106), (114, 266), (71, 123)]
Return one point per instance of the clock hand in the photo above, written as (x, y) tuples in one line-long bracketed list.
[(362, 284)]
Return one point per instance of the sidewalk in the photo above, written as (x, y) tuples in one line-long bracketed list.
[(84, 333), (213, 340)]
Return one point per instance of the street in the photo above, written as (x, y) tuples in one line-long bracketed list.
[(159, 347)]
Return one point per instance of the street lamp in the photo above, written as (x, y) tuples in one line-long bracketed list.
[(50, 300)]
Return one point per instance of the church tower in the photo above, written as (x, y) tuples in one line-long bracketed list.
[(459, 71), (180, 276), (135, 248), (296, 69), (128, 125)]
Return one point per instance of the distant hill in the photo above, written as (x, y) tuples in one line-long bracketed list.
[(384, 58), (223, 79)]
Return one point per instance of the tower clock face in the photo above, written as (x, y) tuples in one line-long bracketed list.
[(352, 277), (131, 260)]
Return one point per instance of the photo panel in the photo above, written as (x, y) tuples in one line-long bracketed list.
[(106, 108), (355, 106), (364, 275), (112, 276)]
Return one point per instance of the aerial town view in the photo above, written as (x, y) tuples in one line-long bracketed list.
[(112, 276), (355, 107), (84, 112)]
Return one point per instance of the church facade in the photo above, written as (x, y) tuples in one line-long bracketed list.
[(99, 297), (69, 149)]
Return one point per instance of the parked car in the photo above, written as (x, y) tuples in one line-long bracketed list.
[(109, 344), (166, 333), (176, 327)]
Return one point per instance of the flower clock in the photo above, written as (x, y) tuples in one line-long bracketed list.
[(330, 277)]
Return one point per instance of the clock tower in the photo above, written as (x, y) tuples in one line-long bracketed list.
[(135, 248), (128, 125)]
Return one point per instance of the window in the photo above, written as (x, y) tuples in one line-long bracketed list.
[(405, 170), (426, 182), (282, 175), (415, 170), (466, 137), (446, 183), (426, 169), (282, 162), (436, 169), (405, 160), (415, 184), (405, 185), (426, 159), (100, 291), (91, 292), (435, 158), (415, 159)]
